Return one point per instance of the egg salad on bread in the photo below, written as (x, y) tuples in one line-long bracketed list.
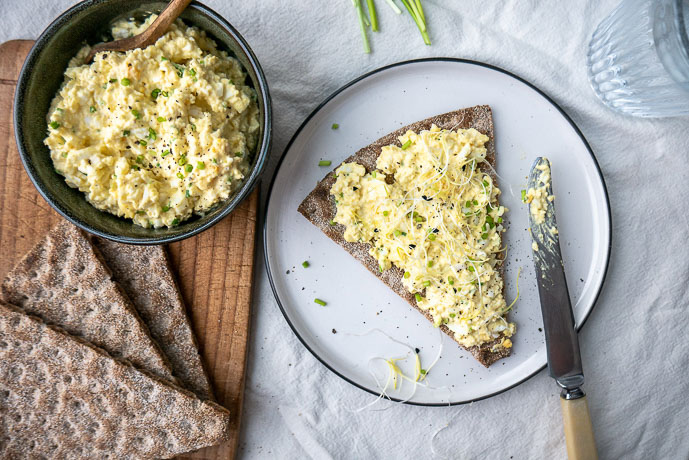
[(431, 208)]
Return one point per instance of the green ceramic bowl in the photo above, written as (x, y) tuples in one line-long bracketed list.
[(42, 75)]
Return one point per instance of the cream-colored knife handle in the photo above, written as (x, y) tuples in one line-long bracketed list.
[(578, 429)]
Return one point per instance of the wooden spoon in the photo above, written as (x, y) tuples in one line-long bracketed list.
[(148, 36)]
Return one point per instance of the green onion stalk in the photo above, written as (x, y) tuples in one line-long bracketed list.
[(362, 25), (372, 13), (416, 12)]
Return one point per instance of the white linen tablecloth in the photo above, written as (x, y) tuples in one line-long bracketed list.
[(635, 347)]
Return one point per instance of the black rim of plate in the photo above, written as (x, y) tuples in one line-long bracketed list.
[(353, 82), (262, 149)]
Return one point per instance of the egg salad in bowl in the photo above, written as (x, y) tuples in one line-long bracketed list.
[(158, 134)]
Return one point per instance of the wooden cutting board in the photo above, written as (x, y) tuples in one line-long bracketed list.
[(214, 269)]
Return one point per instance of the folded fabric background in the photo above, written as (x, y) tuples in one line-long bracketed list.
[(633, 345)]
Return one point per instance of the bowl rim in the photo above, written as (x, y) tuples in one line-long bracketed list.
[(250, 182)]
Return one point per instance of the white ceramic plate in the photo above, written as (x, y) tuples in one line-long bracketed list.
[(344, 335)]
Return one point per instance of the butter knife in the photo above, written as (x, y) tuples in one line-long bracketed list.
[(562, 343)]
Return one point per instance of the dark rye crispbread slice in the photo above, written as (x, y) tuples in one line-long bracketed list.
[(319, 208), (145, 274), (61, 397), (64, 281)]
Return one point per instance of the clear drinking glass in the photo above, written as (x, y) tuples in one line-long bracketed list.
[(638, 58)]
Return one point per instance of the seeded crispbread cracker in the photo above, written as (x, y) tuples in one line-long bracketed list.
[(145, 274), (63, 281), (61, 397), (319, 208)]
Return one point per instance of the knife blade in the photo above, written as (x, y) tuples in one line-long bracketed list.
[(562, 343), (561, 340)]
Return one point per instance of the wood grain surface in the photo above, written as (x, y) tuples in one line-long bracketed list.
[(215, 268)]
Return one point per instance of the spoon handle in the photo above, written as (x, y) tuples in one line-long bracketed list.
[(148, 36), (162, 22)]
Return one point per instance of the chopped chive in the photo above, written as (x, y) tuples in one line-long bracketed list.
[(200, 165), (238, 154), (417, 296), (188, 168), (430, 263), (139, 158), (165, 93), (332, 222), (180, 69), (426, 283), (484, 236), (305, 264), (475, 202), (92, 109), (406, 145), (468, 204), (386, 213), (374, 174), (54, 124), (135, 167), (193, 127), (214, 161), (335, 126), (192, 72), (324, 163), (136, 114), (187, 194), (166, 208), (485, 183), (152, 134), (407, 275), (140, 212), (165, 153), (113, 80), (60, 110), (499, 220), (125, 132), (431, 237), (397, 233), (450, 281), (155, 93), (452, 315), (125, 81), (163, 58), (160, 119), (524, 196), (320, 302), (175, 221), (423, 371), (182, 160), (471, 268), (180, 175), (418, 219), (143, 142)]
